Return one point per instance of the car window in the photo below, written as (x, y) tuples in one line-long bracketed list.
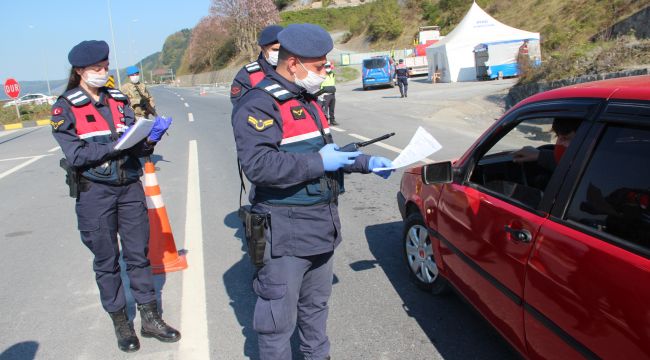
[(614, 191), (374, 63), (520, 164)]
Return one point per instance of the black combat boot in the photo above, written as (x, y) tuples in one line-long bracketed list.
[(126, 338), (154, 326)]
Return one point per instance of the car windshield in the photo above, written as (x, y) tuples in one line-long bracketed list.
[(374, 63)]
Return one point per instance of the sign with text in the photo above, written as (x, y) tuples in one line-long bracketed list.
[(12, 88)]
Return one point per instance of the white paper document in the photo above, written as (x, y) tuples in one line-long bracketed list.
[(136, 133), (421, 145)]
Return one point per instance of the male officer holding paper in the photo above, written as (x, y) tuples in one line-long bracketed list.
[(287, 152)]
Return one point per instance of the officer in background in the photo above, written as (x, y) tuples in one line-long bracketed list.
[(328, 89), (287, 152), (141, 100), (402, 74), (251, 74), (87, 121)]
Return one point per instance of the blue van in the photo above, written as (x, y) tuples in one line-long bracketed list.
[(378, 71)]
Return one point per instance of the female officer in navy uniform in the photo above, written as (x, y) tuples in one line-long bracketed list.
[(87, 120)]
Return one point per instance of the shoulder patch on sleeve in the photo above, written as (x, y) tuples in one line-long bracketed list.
[(57, 110), (235, 90), (260, 124), (55, 124)]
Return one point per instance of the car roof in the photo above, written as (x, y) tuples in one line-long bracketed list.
[(627, 88)]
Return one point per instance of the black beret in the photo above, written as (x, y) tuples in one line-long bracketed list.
[(269, 35), (306, 40), (88, 52)]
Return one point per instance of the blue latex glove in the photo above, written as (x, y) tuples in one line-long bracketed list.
[(380, 162), (334, 160), (159, 127)]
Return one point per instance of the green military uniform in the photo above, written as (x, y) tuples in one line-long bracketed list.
[(139, 95)]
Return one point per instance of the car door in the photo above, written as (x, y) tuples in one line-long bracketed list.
[(488, 218), (586, 292)]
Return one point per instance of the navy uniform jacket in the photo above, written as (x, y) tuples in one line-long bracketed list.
[(242, 83), (402, 71), (295, 230), (84, 154)]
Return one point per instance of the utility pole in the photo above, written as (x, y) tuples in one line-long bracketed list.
[(117, 66)]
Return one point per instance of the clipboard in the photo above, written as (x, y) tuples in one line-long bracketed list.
[(135, 134)]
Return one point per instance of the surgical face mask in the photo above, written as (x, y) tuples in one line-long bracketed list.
[(311, 83), (273, 58), (96, 80), (135, 78)]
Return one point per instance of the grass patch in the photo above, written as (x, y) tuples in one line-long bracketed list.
[(347, 73), (27, 113)]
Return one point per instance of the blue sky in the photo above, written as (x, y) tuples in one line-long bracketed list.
[(38, 34)]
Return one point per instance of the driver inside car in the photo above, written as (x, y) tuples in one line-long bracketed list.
[(565, 130)]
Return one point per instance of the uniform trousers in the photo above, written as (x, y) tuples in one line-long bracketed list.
[(103, 211), (293, 289), (329, 102), (403, 84)]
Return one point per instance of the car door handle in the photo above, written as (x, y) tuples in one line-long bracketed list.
[(520, 235)]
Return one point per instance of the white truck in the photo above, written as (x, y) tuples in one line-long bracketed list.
[(417, 63)]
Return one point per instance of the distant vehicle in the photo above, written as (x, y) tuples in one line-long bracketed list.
[(33, 99), (378, 71), (418, 64), (499, 59)]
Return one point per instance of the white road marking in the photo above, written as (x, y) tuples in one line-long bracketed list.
[(335, 128), (380, 144), (18, 167), (190, 117), (7, 132), (23, 157), (182, 99), (186, 105), (194, 318), (54, 149)]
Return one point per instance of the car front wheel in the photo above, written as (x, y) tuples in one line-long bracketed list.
[(418, 252)]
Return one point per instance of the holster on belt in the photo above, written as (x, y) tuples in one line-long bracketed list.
[(254, 226), (72, 177)]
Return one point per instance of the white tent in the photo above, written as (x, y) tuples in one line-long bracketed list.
[(453, 56)]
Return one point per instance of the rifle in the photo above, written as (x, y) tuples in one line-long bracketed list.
[(144, 102)]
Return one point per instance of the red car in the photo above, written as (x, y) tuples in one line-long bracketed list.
[(552, 248)]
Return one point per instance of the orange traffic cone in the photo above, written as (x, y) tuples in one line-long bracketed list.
[(162, 249)]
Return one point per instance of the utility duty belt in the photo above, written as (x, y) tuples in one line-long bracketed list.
[(323, 190), (73, 179)]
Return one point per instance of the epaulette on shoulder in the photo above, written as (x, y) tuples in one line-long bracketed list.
[(276, 90), (253, 67), (76, 98), (116, 94)]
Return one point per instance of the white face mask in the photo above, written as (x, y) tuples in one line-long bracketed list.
[(311, 83), (135, 78), (96, 80), (273, 58)]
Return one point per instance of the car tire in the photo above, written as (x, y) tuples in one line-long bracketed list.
[(418, 254)]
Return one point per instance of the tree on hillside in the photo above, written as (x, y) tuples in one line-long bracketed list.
[(246, 18), (174, 48), (208, 36)]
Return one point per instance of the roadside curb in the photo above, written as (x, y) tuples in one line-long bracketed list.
[(24, 124)]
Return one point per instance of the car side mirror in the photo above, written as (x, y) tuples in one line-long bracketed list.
[(438, 173)]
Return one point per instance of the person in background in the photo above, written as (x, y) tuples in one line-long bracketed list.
[(328, 88), (251, 74), (87, 121), (141, 100), (402, 74)]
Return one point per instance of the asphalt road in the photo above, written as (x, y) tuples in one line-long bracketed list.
[(49, 303)]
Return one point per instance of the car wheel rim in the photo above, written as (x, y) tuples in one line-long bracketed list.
[(419, 254)]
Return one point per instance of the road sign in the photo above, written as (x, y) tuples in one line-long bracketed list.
[(12, 89)]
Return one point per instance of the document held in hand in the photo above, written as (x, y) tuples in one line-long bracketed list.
[(135, 134), (421, 145)]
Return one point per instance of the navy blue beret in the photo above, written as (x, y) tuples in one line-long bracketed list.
[(269, 35), (88, 52), (306, 40)]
